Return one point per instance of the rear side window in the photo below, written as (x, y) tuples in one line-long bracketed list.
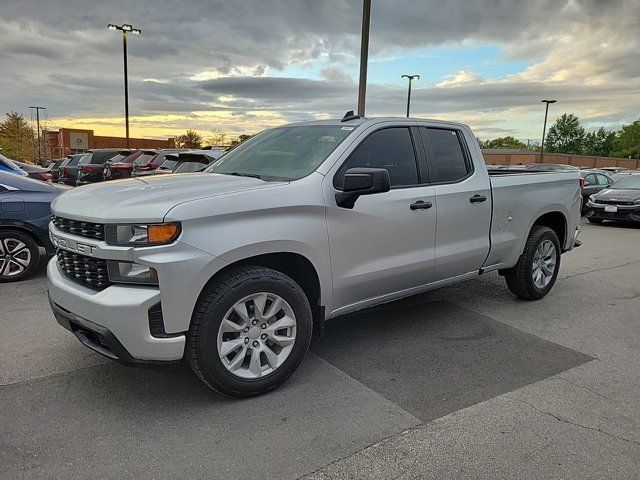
[(445, 155), (590, 179), (603, 180), (390, 148)]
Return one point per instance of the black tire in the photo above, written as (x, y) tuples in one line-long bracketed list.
[(597, 221), (11, 237), (519, 278), (201, 349)]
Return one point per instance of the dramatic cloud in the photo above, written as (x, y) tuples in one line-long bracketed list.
[(243, 66)]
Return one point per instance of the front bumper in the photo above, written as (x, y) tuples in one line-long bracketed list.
[(119, 314), (623, 213)]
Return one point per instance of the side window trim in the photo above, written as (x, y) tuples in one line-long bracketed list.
[(415, 157), (463, 147)]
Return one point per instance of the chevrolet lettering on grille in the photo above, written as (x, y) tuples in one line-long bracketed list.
[(72, 245)]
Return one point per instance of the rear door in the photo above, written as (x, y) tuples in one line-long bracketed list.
[(463, 200)]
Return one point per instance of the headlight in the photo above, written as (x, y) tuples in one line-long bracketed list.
[(141, 235), (129, 272)]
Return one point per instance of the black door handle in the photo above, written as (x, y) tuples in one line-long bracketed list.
[(420, 205), (478, 199)]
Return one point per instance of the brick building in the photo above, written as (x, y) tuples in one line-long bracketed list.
[(515, 157), (74, 140)]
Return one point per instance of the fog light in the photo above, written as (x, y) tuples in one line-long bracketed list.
[(129, 272)]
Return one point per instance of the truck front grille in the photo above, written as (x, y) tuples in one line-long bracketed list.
[(89, 271), (82, 229)]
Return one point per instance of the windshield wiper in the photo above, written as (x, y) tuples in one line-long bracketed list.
[(239, 174)]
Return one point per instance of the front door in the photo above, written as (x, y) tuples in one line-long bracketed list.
[(385, 244)]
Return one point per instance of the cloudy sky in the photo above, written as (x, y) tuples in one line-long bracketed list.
[(244, 65)]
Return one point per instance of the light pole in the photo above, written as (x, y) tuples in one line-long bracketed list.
[(544, 128), (411, 78), (38, 127), (364, 55), (134, 31)]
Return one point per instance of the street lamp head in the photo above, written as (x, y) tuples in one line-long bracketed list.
[(111, 26), (136, 31), (549, 101), (411, 77), (126, 27)]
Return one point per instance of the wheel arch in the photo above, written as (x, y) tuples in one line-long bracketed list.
[(556, 221), (295, 265), (23, 229)]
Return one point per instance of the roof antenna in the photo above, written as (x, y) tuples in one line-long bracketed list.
[(349, 116)]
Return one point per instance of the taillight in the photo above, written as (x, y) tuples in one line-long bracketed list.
[(582, 182), (65, 171), (151, 160), (46, 176)]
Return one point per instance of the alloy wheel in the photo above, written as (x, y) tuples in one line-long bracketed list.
[(256, 335), (15, 257), (544, 264)]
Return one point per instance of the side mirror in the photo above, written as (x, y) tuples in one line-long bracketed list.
[(362, 181)]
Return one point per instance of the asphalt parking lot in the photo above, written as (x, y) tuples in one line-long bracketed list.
[(461, 382)]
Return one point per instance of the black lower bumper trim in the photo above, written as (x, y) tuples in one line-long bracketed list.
[(102, 340)]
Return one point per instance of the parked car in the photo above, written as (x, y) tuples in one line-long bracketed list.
[(91, 165), (9, 166), (68, 171), (35, 171), (120, 168), (188, 162), (24, 217), (613, 169), (230, 268), (620, 202), (54, 168), (594, 181), (141, 169)]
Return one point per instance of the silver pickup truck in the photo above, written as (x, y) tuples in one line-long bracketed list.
[(232, 269)]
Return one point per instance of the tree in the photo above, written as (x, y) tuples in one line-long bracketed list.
[(241, 138), (627, 141), (503, 142), (190, 139), (566, 135), (599, 142), (17, 138), (217, 139)]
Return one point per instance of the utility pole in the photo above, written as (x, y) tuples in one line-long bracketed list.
[(37, 109), (544, 128), (134, 31), (411, 78), (364, 56)]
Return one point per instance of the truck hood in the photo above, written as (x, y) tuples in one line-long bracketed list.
[(147, 199), (623, 195)]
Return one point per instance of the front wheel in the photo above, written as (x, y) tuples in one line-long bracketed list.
[(249, 332), (537, 269)]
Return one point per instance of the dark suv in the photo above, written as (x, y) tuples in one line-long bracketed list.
[(91, 166)]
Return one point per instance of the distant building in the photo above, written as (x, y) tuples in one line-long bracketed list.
[(67, 141)]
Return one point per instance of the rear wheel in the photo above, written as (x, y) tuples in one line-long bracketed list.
[(249, 332), (19, 255), (537, 269)]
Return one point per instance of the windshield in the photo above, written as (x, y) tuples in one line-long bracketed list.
[(188, 167), (631, 182), (143, 159), (85, 159), (285, 153)]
